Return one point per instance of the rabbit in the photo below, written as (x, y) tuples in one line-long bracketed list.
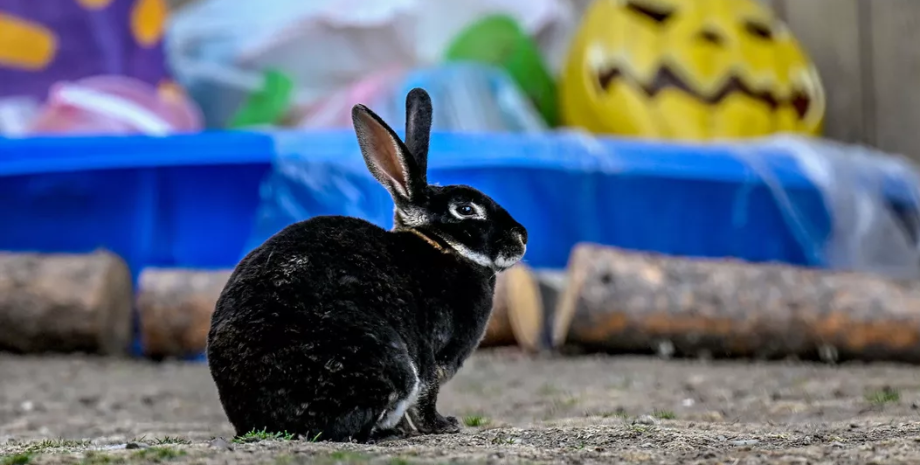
[(336, 329)]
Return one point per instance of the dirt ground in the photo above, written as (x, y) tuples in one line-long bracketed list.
[(584, 410)]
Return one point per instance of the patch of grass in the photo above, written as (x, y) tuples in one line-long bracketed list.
[(664, 414), (158, 454), (316, 438), (171, 440), (56, 444), (263, 435), (621, 414), (475, 421), (399, 461), (640, 429), (883, 396), (17, 459)]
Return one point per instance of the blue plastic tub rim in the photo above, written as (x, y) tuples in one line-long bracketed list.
[(570, 150)]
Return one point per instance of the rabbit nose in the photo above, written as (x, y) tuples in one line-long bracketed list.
[(521, 235)]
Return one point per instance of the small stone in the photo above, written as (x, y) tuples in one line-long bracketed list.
[(644, 420), (854, 426), (27, 406), (136, 445), (688, 402), (648, 445), (722, 438), (220, 443), (838, 444), (745, 442), (665, 349), (807, 440)]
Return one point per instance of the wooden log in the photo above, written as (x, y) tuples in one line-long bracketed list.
[(175, 307), (517, 314), (65, 303), (618, 300)]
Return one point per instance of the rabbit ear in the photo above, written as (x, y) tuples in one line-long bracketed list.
[(418, 126), (386, 156)]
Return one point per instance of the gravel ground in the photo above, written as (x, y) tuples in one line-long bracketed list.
[(585, 410)]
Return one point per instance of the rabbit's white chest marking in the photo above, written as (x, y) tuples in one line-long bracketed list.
[(392, 417)]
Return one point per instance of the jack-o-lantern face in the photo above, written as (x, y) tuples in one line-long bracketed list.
[(688, 69)]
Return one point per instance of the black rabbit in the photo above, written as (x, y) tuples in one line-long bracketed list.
[(338, 329)]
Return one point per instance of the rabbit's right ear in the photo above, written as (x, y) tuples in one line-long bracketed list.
[(386, 156), (418, 126)]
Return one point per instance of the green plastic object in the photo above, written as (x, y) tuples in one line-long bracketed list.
[(268, 105), (498, 40)]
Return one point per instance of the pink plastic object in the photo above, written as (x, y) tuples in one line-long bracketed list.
[(114, 105), (334, 111)]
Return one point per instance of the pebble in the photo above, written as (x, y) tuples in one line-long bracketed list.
[(136, 445), (220, 443), (745, 442), (644, 420)]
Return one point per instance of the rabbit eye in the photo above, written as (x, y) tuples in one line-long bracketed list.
[(466, 210)]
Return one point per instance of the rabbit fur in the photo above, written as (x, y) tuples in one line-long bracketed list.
[(340, 330)]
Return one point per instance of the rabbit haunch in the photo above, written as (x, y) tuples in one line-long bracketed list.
[(338, 329)]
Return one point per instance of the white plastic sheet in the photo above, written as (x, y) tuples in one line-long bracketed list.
[(875, 226), (218, 48)]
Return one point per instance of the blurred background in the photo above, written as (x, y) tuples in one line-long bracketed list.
[(178, 135), (699, 178)]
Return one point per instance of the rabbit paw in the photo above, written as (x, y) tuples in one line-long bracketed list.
[(440, 425)]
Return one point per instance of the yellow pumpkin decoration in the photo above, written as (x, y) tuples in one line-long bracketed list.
[(688, 69)]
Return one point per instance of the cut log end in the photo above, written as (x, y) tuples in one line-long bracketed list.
[(517, 315), (65, 303), (175, 308)]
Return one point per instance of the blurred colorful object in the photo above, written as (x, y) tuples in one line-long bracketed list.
[(334, 111), (267, 105), (467, 97), (115, 105), (220, 49), (694, 70), (43, 42), (499, 40)]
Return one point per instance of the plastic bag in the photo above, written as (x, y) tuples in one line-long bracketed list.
[(334, 111), (873, 199), (467, 97), (114, 105), (218, 48)]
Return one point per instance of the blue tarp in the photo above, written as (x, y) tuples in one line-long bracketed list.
[(204, 200)]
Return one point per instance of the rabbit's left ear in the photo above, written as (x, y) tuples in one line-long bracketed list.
[(386, 156), (418, 127)]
